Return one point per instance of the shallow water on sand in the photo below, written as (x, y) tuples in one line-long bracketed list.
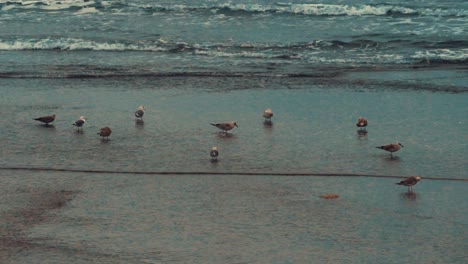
[(136, 218), (109, 218), (313, 129)]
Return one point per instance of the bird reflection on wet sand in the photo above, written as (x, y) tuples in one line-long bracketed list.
[(361, 133), (268, 124), (139, 123), (409, 195)]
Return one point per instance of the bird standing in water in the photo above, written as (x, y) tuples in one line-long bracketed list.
[(391, 148), (410, 182), (46, 119), (225, 126), (80, 122), (268, 114), (105, 132), (140, 112), (214, 154), (361, 123)]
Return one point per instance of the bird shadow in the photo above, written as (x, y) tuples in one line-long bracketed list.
[(214, 161), (225, 135), (105, 140), (79, 131), (47, 126)]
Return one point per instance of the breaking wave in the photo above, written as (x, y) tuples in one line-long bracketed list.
[(360, 50), (277, 8)]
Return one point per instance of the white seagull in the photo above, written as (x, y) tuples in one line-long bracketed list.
[(140, 112), (214, 154), (80, 122), (268, 114), (361, 123)]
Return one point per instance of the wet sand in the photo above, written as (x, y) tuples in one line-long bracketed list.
[(26, 208)]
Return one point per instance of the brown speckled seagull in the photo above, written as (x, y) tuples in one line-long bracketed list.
[(391, 148), (226, 126), (46, 119), (105, 132), (410, 182)]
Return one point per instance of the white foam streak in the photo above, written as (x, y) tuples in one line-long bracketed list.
[(442, 54), (323, 9), (76, 44), (46, 4)]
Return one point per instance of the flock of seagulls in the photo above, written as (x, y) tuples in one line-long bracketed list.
[(362, 122)]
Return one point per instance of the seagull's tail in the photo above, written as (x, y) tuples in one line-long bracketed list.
[(213, 124), (381, 147)]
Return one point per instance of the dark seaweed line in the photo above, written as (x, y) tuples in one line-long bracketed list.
[(310, 174)]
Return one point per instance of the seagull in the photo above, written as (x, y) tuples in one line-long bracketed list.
[(226, 126), (268, 114), (391, 148), (361, 123), (214, 154), (140, 112), (46, 119), (410, 181), (105, 132), (80, 122)]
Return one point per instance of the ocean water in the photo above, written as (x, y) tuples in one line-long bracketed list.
[(150, 194)]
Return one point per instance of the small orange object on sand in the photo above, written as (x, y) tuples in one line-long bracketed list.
[(329, 196)]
